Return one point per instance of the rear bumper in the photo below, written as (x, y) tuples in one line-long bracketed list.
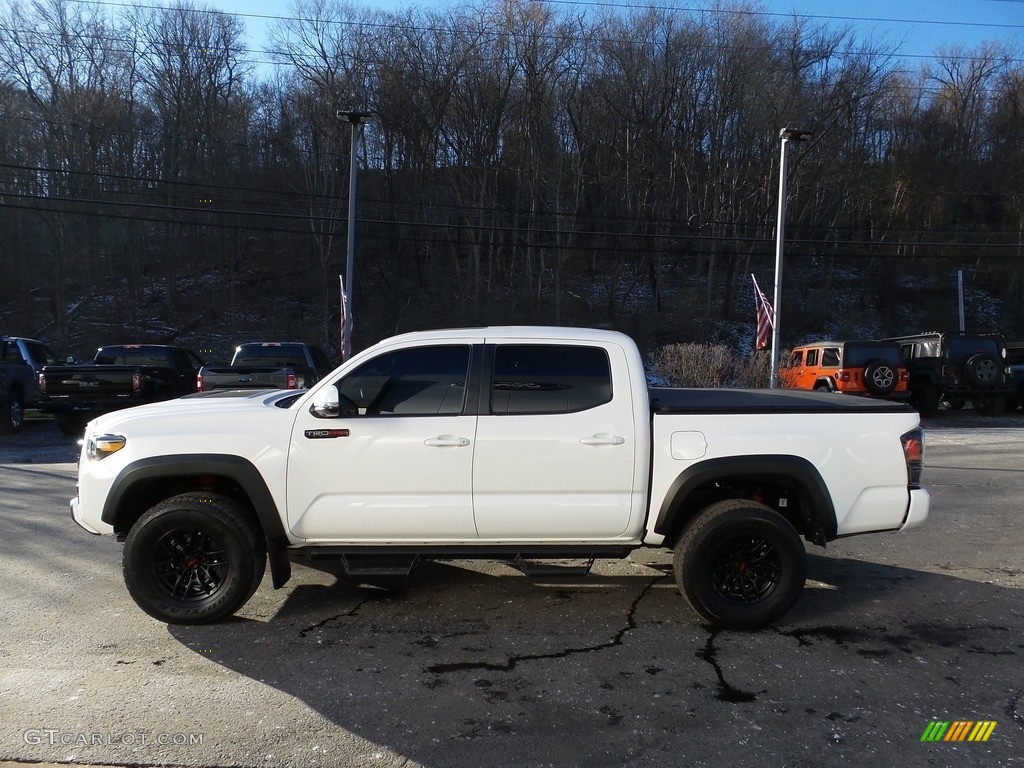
[(917, 509)]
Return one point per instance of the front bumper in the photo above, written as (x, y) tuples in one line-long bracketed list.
[(76, 515)]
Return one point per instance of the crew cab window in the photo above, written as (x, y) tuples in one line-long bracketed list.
[(795, 359), (549, 379), (812, 357), (830, 357), (422, 381)]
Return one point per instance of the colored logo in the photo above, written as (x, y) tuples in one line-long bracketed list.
[(958, 730)]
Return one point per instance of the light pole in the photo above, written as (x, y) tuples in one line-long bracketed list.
[(356, 120), (787, 135)]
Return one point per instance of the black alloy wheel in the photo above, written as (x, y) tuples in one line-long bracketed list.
[(193, 559), (740, 564)]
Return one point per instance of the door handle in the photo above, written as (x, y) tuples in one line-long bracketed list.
[(602, 439), (442, 441)]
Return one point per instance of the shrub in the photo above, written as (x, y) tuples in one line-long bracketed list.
[(709, 365)]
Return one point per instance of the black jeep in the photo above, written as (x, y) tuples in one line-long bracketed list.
[(954, 368)]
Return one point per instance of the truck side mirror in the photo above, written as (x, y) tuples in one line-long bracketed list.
[(328, 404)]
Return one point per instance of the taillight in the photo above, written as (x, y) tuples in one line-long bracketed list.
[(42, 384), (293, 381), (904, 375), (136, 381), (199, 382), (913, 453), (843, 375)]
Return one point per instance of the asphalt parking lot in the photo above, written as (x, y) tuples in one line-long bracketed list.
[(475, 665)]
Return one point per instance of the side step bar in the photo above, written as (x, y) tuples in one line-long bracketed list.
[(378, 565), (551, 568)]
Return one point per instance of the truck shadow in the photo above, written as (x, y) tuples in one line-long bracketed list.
[(484, 667)]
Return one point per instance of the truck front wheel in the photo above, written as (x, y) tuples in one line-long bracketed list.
[(193, 559), (740, 564)]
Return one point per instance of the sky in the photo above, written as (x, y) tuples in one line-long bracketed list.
[(915, 28)]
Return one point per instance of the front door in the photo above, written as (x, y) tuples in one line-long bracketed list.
[(400, 468)]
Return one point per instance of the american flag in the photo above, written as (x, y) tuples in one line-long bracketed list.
[(765, 318), (346, 323)]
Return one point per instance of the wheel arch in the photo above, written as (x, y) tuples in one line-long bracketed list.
[(146, 482), (764, 478)]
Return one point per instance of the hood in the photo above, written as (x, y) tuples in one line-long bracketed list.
[(200, 406)]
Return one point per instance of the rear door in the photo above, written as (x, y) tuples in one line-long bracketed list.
[(555, 443)]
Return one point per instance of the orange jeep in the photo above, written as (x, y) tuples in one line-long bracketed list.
[(870, 368)]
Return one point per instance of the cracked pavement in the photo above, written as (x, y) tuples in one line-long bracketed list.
[(474, 664)]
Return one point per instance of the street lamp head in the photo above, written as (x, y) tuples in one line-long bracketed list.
[(356, 118), (794, 134)]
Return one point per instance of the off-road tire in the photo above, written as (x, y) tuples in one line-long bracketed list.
[(193, 559), (740, 564), (982, 370), (990, 405), (880, 378), (924, 398)]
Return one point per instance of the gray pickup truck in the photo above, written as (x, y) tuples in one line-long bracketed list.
[(20, 362), (267, 365)]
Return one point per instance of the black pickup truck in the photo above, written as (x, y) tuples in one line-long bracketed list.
[(20, 362), (268, 365), (120, 376)]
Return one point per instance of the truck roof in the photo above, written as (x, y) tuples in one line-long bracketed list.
[(516, 332)]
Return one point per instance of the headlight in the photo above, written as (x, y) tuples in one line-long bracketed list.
[(100, 446)]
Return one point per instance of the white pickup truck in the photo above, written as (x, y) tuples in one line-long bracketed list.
[(526, 444)]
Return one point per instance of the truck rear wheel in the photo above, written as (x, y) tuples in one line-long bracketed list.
[(14, 414), (70, 424), (740, 564), (193, 559)]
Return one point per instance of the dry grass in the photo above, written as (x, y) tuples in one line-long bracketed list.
[(709, 365)]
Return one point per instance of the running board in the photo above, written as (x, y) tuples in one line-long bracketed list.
[(378, 565), (551, 568)]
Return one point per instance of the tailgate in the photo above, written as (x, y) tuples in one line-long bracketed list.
[(100, 382)]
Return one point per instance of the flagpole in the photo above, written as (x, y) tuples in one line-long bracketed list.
[(787, 135)]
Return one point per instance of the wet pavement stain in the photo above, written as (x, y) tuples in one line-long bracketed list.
[(510, 664), (726, 691)]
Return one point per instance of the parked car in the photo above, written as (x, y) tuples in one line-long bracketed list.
[(956, 368), (120, 376), (267, 365), (863, 367), (21, 360)]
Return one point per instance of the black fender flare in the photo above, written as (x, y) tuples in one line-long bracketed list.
[(236, 468), (821, 513)]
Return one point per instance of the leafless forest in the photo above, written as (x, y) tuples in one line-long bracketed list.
[(162, 178)]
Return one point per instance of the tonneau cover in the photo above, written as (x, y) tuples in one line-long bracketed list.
[(675, 400)]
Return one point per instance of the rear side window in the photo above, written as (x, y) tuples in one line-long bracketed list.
[(549, 379), (830, 357)]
